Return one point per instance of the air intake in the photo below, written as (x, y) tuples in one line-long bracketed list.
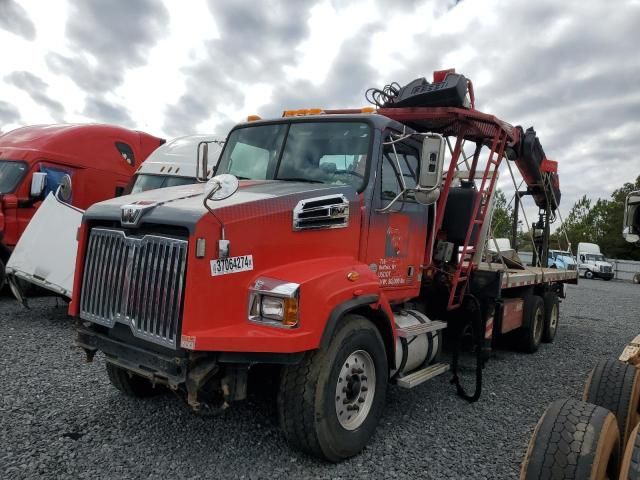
[(331, 211)]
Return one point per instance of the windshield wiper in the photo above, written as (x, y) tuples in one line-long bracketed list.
[(307, 180)]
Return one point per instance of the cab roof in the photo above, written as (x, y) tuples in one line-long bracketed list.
[(377, 121), (77, 143)]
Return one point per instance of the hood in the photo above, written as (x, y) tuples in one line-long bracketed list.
[(600, 263), (183, 206)]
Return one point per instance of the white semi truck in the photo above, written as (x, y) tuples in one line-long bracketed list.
[(592, 263), (48, 261)]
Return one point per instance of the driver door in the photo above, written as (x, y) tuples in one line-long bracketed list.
[(397, 233)]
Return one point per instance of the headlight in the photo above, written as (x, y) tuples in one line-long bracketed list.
[(274, 302)]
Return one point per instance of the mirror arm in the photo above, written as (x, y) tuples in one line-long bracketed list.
[(391, 203)]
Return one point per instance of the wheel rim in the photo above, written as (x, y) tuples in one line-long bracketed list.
[(588, 274), (553, 321), (355, 389)]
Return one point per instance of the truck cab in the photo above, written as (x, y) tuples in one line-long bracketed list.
[(561, 259), (97, 160), (177, 162), (592, 263), (49, 263)]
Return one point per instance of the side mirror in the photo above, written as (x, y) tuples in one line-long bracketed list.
[(202, 165), (431, 161), (431, 165), (221, 187), (582, 258), (38, 182)]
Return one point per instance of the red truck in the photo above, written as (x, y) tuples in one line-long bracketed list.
[(343, 252), (99, 160)]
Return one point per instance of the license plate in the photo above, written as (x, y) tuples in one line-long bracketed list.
[(223, 266)]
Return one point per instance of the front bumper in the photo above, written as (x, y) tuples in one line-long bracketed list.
[(173, 368), (158, 367), (608, 275)]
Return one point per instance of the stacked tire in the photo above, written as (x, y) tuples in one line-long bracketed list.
[(593, 438)]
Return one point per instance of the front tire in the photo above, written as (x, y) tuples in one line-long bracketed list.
[(588, 274), (329, 405), (636, 278)]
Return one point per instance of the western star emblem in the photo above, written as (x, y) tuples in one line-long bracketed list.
[(131, 214)]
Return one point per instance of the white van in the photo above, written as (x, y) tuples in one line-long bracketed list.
[(591, 262)]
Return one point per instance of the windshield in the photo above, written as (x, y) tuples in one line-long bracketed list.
[(10, 175), (595, 257), (317, 152), (144, 182)]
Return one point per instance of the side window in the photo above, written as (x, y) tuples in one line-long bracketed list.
[(399, 163), (127, 152)]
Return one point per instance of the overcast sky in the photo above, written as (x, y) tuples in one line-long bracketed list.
[(569, 68)]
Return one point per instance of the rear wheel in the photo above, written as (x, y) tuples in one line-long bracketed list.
[(330, 403), (530, 334), (131, 384), (573, 440), (630, 469), (551, 316), (616, 386)]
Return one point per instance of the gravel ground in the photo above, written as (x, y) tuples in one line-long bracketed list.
[(60, 418)]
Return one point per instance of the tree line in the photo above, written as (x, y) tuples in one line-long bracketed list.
[(588, 221)]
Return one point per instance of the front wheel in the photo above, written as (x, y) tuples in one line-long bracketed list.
[(636, 278), (588, 274), (330, 404)]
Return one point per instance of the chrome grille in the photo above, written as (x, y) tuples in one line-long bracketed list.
[(137, 281), (605, 269)]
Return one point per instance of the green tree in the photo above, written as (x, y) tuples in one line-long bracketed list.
[(502, 216)]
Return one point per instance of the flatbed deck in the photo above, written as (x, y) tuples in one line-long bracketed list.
[(513, 277)]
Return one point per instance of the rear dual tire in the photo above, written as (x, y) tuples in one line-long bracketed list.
[(531, 332), (551, 316), (315, 394)]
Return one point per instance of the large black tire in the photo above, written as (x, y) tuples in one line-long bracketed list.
[(588, 274), (636, 278), (551, 316), (616, 386), (131, 384), (312, 392), (573, 440), (530, 334), (630, 469)]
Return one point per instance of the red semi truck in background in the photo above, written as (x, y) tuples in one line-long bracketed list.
[(351, 241), (98, 160)]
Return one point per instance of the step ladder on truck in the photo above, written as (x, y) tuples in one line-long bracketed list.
[(337, 245)]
